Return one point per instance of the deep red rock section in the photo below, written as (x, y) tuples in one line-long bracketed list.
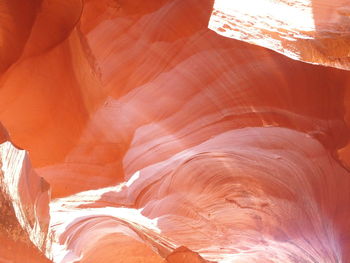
[(150, 138)]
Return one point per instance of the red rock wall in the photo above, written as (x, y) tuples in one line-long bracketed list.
[(153, 138)]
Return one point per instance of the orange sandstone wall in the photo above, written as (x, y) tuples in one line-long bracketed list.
[(151, 135)]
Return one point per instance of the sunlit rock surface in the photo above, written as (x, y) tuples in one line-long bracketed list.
[(24, 215), (151, 138), (315, 31)]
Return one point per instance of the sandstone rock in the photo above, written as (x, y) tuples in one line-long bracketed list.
[(314, 31), (163, 141)]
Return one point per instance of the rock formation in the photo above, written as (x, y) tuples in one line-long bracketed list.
[(314, 31), (151, 131)]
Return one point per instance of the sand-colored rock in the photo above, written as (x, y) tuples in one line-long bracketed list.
[(24, 215), (313, 31)]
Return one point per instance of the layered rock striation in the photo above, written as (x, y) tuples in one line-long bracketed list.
[(151, 135)]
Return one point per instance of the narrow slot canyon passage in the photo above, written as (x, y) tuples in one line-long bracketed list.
[(174, 131)]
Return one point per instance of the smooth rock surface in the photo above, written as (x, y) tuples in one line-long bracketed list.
[(24, 215), (154, 139), (314, 31)]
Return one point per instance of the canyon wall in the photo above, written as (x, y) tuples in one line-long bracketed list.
[(174, 131)]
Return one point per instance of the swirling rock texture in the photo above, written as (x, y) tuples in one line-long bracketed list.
[(151, 135)]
